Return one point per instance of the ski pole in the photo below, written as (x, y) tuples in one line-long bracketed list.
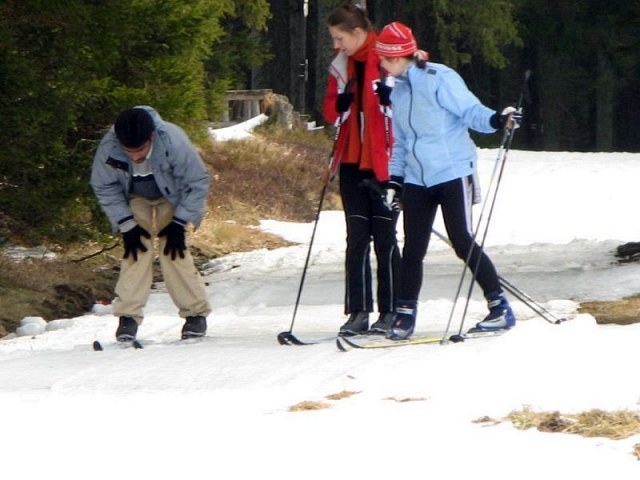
[(287, 337), (535, 306), (509, 133), (390, 81), (530, 302), (490, 191), (505, 145)]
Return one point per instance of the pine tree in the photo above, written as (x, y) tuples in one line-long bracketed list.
[(66, 70)]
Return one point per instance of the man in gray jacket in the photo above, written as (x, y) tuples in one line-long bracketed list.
[(150, 180)]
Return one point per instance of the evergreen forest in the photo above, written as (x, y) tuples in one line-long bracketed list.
[(68, 67)]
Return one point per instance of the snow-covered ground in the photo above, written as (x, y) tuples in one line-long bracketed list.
[(220, 408)]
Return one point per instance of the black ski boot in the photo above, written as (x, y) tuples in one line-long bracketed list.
[(357, 324), (383, 325), (127, 329), (194, 327)]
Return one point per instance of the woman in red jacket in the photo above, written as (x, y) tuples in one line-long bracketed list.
[(357, 100)]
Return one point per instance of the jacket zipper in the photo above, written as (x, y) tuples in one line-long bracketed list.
[(415, 134)]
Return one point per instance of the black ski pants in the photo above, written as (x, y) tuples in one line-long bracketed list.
[(368, 219), (420, 207)]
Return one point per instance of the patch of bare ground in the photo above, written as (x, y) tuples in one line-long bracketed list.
[(621, 312), (615, 425)]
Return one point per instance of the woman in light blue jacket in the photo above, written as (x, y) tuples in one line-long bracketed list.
[(432, 164)]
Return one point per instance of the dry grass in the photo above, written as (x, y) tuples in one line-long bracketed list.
[(341, 395), (487, 420), (308, 405), (615, 425), (218, 238), (278, 175)]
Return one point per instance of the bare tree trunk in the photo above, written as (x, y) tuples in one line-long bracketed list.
[(605, 97), (320, 53), (285, 73), (297, 54)]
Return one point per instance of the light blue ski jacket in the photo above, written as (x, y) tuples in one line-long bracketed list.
[(432, 112), (177, 168)]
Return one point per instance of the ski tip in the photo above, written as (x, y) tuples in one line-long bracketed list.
[(340, 345), (283, 338), (97, 346), (136, 344), (456, 338), (288, 338)]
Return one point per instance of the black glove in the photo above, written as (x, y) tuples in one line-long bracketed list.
[(175, 239), (133, 243), (509, 117), (393, 193), (383, 91), (344, 101)]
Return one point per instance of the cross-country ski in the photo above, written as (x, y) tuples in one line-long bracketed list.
[(99, 346), (367, 342)]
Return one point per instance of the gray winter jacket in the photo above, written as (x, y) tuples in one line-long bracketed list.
[(177, 168)]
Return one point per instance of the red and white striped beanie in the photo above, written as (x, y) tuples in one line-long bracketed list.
[(396, 40)]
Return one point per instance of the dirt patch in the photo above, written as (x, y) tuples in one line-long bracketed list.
[(341, 395), (50, 289), (309, 405), (620, 312), (70, 285)]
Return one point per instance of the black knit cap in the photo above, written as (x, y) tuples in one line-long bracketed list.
[(134, 127)]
